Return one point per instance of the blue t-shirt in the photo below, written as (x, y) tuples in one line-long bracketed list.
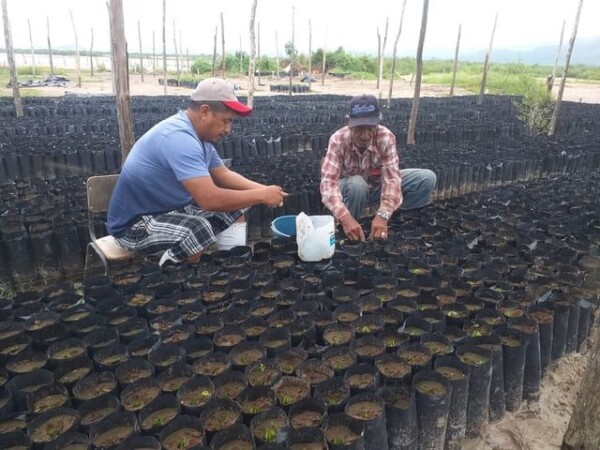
[(150, 180)]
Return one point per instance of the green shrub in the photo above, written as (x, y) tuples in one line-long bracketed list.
[(536, 106)]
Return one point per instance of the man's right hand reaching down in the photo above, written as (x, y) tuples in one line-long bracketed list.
[(352, 229)]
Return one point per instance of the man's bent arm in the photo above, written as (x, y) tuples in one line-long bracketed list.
[(210, 197), (228, 179)]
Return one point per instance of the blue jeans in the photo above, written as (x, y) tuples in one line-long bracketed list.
[(417, 186)]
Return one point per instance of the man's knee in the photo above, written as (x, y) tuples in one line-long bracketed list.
[(429, 178), (356, 185)]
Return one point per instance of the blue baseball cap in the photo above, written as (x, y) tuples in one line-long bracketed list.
[(364, 111)]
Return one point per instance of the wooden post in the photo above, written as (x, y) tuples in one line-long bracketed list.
[(455, 65), (49, 46), (415, 106), (113, 64), (550, 80), (583, 431), (141, 54), (214, 64), (91, 54), (164, 39), (392, 72), (153, 53), (381, 53), (324, 60), (222, 46), (252, 55), (277, 54), (176, 53), (10, 55), (181, 49), (77, 61), (293, 48), (563, 81), (241, 59), (486, 64), (258, 50), (121, 74), (309, 55), (32, 50)]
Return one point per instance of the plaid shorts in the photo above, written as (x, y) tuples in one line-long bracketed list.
[(185, 232)]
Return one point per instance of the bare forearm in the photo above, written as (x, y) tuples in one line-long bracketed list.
[(235, 181), (227, 200)]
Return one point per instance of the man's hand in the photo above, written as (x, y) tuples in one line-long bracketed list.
[(273, 196), (379, 229), (352, 229)]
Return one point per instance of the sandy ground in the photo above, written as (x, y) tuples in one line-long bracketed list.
[(101, 84), (536, 426)]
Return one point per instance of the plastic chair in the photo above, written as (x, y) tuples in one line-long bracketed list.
[(99, 192)]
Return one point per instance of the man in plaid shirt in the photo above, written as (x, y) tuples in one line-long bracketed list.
[(362, 168)]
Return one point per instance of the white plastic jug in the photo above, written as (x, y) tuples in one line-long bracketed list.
[(315, 236)]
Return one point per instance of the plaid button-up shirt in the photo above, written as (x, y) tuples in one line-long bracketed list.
[(378, 165)]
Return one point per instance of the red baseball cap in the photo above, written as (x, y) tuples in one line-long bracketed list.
[(219, 90)]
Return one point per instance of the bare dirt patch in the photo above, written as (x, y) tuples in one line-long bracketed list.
[(538, 425), (101, 84)]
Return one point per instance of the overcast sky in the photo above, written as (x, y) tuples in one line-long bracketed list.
[(522, 24)]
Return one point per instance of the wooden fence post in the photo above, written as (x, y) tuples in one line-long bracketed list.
[(32, 50), (121, 74), (415, 106), (10, 55), (49, 46), (455, 65), (252, 55), (486, 64), (563, 81), (389, 100), (77, 60), (550, 80)]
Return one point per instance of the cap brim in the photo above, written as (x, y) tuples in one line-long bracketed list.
[(238, 107), (363, 122)]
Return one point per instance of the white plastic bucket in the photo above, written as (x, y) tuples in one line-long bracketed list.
[(315, 236)]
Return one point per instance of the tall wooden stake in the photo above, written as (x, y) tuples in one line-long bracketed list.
[(392, 72), (121, 74), (49, 46), (309, 54), (563, 81), (176, 53), (486, 64), (241, 59), (181, 49), (10, 55), (92, 54), (141, 53), (223, 46), (258, 50), (32, 50), (550, 80), (214, 64), (277, 54), (415, 106), (153, 53), (252, 55), (381, 54), (455, 65), (324, 60), (77, 62), (164, 40), (293, 48)]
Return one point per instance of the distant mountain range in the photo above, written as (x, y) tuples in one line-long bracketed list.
[(585, 52)]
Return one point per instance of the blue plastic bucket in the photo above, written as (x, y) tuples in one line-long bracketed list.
[(284, 226)]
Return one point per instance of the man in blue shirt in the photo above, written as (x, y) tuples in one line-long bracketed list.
[(174, 192)]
